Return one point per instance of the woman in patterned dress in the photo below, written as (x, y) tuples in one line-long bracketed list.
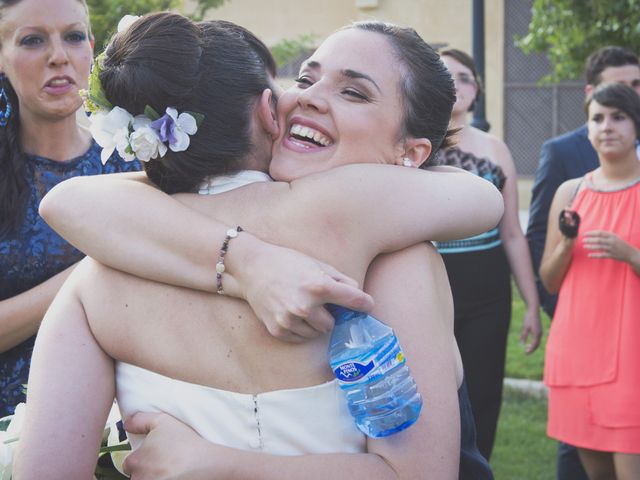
[(45, 56), (480, 267)]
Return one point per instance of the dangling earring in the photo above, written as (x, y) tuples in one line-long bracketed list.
[(5, 105), (407, 162)]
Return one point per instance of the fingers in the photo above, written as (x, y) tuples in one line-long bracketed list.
[(601, 244), (348, 296), (142, 422), (338, 276), (295, 328)]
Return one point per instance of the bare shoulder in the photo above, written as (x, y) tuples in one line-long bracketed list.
[(567, 190)]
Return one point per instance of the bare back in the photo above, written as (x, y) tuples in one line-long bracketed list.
[(215, 340)]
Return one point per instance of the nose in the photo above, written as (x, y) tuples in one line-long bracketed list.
[(314, 97), (607, 123), (58, 53)]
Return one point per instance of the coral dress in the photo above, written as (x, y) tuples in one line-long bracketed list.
[(592, 363)]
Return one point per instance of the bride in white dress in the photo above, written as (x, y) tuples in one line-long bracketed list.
[(204, 358)]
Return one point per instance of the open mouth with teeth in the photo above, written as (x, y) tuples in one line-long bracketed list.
[(59, 82), (308, 136)]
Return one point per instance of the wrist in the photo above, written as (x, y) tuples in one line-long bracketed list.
[(566, 245), (634, 259), (239, 262)]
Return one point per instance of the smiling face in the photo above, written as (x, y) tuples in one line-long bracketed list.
[(345, 108), (46, 55), (466, 87), (611, 131)]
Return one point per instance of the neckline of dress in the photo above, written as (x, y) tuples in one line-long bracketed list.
[(224, 183), (591, 186)]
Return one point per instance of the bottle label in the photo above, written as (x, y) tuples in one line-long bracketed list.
[(355, 372)]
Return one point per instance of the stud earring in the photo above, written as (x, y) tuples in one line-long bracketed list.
[(5, 105), (407, 162)]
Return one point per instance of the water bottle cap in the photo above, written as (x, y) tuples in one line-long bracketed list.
[(337, 311)]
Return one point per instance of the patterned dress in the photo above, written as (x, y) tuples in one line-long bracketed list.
[(35, 253), (480, 281)]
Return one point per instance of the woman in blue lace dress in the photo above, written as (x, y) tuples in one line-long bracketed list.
[(45, 56), (479, 268)]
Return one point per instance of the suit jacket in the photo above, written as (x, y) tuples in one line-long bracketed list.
[(568, 156)]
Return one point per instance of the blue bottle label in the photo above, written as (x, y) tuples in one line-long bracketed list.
[(353, 371)]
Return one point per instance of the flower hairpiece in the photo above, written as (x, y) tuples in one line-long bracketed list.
[(126, 21), (144, 136)]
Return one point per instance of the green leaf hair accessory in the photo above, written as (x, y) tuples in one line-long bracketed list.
[(94, 98)]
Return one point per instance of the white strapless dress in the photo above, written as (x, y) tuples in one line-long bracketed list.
[(282, 422)]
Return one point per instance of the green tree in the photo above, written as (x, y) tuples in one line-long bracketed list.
[(567, 31), (105, 14), (288, 49)]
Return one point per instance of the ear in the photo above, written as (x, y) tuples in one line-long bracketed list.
[(588, 88), (267, 115), (417, 150)]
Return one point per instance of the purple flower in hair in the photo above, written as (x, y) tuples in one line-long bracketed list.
[(175, 129)]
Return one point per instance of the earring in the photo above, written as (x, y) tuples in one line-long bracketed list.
[(407, 162), (5, 105)]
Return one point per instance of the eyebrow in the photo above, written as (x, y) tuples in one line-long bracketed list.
[(347, 72), (39, 27)]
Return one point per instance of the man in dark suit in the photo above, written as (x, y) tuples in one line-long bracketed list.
[(562, 158)]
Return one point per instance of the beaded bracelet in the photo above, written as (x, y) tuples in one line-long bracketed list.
[(231, 233)]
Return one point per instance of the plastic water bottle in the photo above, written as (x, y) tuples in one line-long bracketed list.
[(371, 369)]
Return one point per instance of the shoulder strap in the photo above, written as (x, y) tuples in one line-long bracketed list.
[(575, 192)]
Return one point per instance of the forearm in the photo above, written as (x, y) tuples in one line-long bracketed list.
[(71, 388), (517, 252), (20, 316), (555, 265), (243, 465), (125, 223)]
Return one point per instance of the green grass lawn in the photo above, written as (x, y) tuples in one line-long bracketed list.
[(522, 450), (520, 365)]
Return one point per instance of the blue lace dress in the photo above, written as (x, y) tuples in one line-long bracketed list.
[(35, 253)]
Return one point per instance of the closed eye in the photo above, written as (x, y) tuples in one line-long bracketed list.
[(303, 81), (355, 94)]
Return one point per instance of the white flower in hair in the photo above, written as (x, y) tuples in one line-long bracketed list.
[(111, 131), (145, 141), (126, 21)]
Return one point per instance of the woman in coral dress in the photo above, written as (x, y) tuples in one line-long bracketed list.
[(592, 365)]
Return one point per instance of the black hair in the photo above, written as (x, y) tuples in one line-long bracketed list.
[(606, 57), (427, 88), (14, 188), (213, 68), (619, 96), (466, 60)]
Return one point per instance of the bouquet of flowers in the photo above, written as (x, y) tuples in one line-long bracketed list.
[(113, 450)]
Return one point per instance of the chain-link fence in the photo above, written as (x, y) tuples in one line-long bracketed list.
[(533, 113)]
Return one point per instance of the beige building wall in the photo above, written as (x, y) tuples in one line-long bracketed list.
[(437, 21)]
